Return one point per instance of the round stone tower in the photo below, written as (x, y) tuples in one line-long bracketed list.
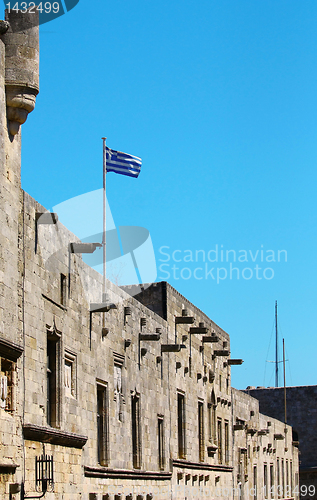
[(21, 66)]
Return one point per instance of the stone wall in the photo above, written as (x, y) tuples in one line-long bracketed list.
[(131, 396), (301, 410), (11, 284), (266, 457)]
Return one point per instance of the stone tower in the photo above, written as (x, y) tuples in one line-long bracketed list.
[(19, 85)]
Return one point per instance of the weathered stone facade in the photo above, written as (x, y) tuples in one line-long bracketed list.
[(301, 414), (265, 452), (132, 397)]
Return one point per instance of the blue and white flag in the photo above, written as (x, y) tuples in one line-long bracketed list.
[(122, 163)]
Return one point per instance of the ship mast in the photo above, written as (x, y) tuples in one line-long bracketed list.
[(285, 413), (276, 347)]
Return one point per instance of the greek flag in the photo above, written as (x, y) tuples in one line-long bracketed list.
[(122, 163)]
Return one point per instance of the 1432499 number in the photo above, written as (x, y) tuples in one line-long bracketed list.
[(31, 7)]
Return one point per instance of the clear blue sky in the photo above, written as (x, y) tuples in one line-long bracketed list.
[(220, 101)]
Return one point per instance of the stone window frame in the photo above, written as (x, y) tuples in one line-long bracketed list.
[(287, 485), (245, 466), (181, 424), (227, 443), (54, 365), (272, 481), (265, 480), (255, 482), (7, 384), (161, 441), (212, 419), (136, 430), (228, 384), (219, 440), (70, 358), (278, 481), (240, 467), (9, 355), (103, 454), (283, 477), (201, 430), (118, 362), (63, 289)]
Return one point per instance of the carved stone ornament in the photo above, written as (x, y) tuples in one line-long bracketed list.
[(53, 333), (4, 26), (20, 102)]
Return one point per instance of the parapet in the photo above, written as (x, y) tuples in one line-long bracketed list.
[(21, 67)]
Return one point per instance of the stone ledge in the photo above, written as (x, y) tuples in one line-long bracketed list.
[(54, 436), (186, 464), (104, 472), (8, 467), (238, 427), (54, 302), (10, 350)]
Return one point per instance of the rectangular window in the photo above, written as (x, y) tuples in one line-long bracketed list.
[(283, 478), (291, 474), (63, 289), (70, 374), (288, 492), (52, 383), (272, 486), (181, 425), (245, 466), (201, 437), (240, 467), (118, 392), (255, 483), (7, 370), (212, 420), (279, 488), (161, 447), (265, 482), (219, 436), (136, 431), (227, 442), (102, 424), (210, 426)]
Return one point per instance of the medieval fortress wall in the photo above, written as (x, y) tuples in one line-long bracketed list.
[(131, 397)]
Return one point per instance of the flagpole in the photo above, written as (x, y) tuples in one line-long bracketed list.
[(104, 218)]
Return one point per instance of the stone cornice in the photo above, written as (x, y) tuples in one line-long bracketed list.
[(9, 349), (104, 472), (186, 464), (54, 436), (8, 467)]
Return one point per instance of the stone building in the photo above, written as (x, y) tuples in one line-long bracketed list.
[(264, 451), (301, 414), (108, 398)]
